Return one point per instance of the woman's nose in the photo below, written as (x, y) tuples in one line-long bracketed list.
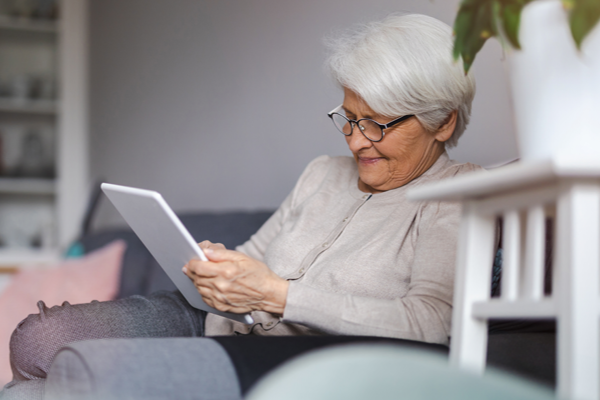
[(357, 141)]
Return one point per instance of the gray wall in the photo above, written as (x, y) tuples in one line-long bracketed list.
[(219, 105)]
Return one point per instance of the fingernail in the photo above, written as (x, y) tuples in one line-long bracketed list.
[(184, 269), (208, 251)]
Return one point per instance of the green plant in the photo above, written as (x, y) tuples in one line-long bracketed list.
[(479, 20)]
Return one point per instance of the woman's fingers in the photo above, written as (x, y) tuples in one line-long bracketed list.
[(217, 257), (205, 269), (207, 244), (222, 262), (216, 299), (222, 254)]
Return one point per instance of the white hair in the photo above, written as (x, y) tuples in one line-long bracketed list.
[(403, 65)]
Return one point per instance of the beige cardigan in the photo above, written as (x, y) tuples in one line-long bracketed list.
[(358, 264)]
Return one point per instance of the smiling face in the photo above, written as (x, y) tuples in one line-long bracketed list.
[(406, 151)]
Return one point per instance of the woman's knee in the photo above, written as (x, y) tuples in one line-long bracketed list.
[(35, 341), (38, 338)]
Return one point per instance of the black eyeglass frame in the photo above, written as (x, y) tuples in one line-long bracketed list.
[(354, 122)]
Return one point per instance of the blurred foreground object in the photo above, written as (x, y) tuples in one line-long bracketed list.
[(386, 372)]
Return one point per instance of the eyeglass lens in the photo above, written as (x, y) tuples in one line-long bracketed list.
[(371, 130)]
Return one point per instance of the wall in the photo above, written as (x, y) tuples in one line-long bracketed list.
[(219, 105)]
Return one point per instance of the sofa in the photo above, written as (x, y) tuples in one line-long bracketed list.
[(523, 348)]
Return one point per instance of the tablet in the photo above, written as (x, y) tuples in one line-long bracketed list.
[(167, 239)]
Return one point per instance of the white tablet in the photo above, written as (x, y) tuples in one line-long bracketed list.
[(157, 226)]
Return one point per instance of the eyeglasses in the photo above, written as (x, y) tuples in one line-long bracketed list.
[(372, 130)]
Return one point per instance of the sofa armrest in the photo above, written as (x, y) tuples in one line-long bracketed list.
[(147, 368)]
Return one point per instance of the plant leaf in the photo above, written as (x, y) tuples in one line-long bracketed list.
[(462, 24), (473, 26), (583, 16), (511, 20)]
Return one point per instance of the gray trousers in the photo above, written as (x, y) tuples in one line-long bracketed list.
[(37, 339)]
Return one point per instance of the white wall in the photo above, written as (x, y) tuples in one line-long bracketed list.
[(219, 105)]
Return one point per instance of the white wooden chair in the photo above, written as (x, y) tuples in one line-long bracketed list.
[(524, 194)]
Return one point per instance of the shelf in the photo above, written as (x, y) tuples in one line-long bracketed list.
[(45, 51), (42, 186), (37, 107), (12, 260), (27, 25)]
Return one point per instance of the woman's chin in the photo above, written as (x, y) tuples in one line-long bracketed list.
[(367, 183), (370, 171)]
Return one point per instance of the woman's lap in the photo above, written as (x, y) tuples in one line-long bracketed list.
[(37, 338)]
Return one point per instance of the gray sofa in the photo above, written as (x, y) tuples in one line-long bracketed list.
[(527, 349), (523, 347)]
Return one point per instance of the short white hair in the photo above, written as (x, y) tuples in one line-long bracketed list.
[(403, 65)]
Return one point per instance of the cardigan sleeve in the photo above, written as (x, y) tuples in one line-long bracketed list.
[(425, 312)]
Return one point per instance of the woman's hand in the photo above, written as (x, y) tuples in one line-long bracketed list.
[(233, 282)]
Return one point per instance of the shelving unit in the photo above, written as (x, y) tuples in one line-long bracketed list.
[(34, 107), (24, 24), (26, 186), (40, 214)]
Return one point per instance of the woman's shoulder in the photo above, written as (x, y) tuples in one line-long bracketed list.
[(444, 213), (445, 168), (332, 162), (453, 168), (462, 168), (325, 172), (324, 166)]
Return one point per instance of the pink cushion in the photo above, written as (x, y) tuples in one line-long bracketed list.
[(80, 280)]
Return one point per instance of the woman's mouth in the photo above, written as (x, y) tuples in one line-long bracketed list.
[(368, 160)]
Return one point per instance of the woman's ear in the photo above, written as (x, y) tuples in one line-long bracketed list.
[(447, 128)]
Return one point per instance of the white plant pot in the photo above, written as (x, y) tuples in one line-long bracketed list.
[(555, 88)]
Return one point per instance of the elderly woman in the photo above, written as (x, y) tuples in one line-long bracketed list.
[(346, 253)]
